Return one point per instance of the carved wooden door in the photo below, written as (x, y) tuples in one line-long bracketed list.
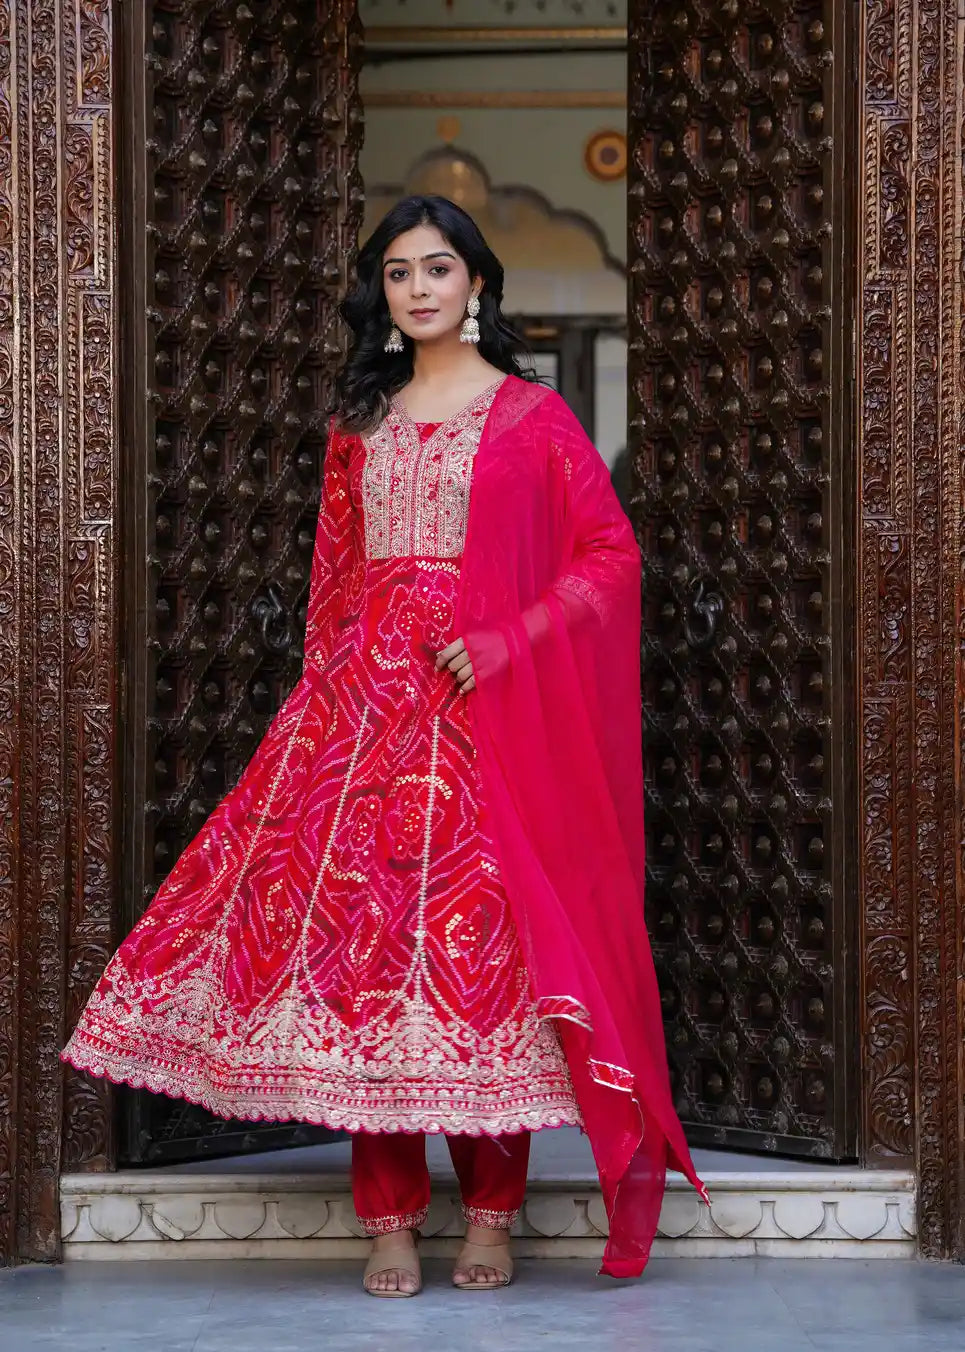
[(241, 159), (740, 363)]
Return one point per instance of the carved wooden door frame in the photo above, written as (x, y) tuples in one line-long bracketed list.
[(908, 642), (59, 510)]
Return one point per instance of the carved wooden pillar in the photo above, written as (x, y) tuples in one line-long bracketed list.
[(57, 594), (909, 650)]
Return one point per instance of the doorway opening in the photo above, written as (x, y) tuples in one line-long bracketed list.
[(681, 277)]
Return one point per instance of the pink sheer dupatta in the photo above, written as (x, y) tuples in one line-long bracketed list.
[(550, 614)]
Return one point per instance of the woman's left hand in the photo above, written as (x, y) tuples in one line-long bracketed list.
[(457, 660)]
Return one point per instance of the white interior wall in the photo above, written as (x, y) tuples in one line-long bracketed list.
[(538, 148)]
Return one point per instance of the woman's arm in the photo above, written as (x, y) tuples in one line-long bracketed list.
[(604, 555)]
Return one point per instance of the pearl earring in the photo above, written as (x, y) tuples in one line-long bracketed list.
[(470, 325), (394, 341)]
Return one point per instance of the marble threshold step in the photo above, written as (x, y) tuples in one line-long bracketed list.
[(297, 1204)]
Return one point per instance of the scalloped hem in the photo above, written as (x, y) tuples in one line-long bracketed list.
[(256, 1104)]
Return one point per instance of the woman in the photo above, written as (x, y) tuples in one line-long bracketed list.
[(421, 908)]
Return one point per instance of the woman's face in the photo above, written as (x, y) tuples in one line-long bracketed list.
[(427, 285)]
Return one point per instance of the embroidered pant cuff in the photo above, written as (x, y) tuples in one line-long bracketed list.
[(402, 1220), (488, 1219)]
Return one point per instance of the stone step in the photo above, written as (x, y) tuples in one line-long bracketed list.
[(297, 1204)]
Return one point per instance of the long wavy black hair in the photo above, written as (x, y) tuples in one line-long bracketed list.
[(371, 375)]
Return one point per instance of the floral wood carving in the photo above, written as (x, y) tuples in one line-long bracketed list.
[(57, 597), (9, 666), (60, 761), (910, 580)]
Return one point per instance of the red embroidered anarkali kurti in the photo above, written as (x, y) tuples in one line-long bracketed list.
[(414, 899), (336, 945)]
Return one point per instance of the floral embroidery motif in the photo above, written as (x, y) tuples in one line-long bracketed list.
[(416, 493), (585, 591), (415, 1068)]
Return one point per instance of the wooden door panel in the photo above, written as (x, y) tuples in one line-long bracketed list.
[(740, 364), (243, 157)]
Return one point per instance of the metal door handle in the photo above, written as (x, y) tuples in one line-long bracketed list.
[(270, 612), (703, 615)]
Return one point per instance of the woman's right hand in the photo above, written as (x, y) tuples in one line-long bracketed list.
[(457, 659)]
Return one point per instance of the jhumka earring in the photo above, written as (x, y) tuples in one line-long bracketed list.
[(470, 325), (394, 341)]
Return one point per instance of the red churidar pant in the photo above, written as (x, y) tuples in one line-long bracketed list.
[(390, 1179)]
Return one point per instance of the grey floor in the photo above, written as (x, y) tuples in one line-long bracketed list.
[(708, 1305)]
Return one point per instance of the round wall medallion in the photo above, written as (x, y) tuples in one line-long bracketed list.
[(605, 155)]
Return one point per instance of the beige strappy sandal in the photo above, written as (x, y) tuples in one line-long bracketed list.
[(399, 1257), (495, 1256)]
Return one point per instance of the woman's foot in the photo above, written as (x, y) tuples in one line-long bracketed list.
[(393, 1269), (479, 1270)]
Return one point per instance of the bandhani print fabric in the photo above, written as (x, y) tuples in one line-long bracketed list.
[(336, 945)]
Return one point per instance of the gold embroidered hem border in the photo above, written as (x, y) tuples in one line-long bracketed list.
[(286, 1096)]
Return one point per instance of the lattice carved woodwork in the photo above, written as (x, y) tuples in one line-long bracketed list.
[(741, 464), (253, 205)]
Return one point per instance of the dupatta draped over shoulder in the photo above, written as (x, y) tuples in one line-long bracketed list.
[(549, 610)]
